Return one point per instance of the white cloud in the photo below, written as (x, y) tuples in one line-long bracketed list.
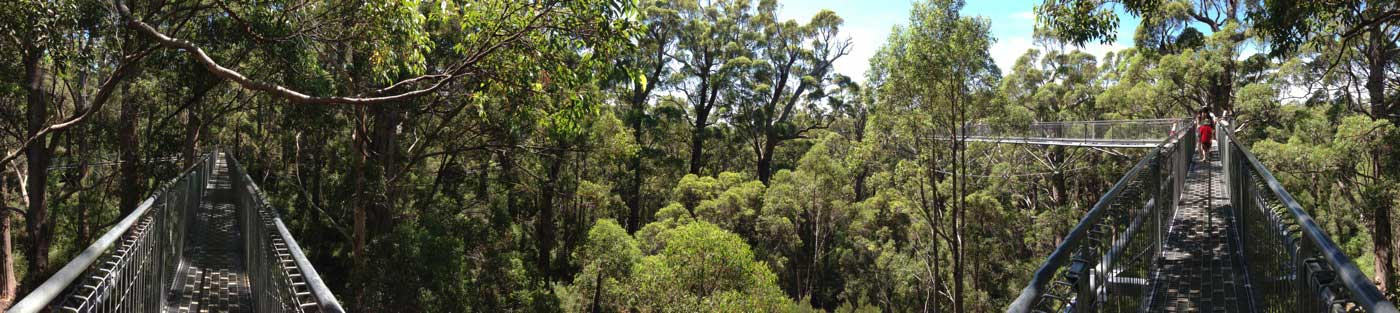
[(1005, 51), (1027, 15), (864, 43), (867, 25)]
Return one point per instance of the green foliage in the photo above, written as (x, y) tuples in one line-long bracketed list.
[(703, 267), (683, 155), (607, 259), (693, 189)]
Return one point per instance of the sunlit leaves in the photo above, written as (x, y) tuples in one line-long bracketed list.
[(702, 266), (607, 259)]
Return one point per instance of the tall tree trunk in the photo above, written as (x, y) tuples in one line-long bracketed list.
[(634, 190), (935, 220), (702, 120), (960, 198), (863, 168), (697, 146), (191, 146), (194, 126), (544, 222), (84, 221), (1058, 188), (128, 147), (597, 292), (858, 184), (1383, 239), (8, 285), (1223, 92), (765, 164), (634, 199), (37, 157), (357, 174), (384, 145)]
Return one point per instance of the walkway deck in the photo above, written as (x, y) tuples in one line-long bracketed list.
[(1199, 271), (212, 276)]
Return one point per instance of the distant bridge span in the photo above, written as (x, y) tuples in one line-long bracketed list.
[(1068, 142), (1145, 133)]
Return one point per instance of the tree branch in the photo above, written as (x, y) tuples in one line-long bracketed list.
[(97, 103), (440, 79)]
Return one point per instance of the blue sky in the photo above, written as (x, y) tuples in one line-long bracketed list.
[(868, 23)]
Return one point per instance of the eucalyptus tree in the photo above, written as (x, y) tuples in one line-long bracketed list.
[(1353, 51), (711, 58), (387, 77), (74, 61), (1166, 26), (816, 210), (1054, 86), (651, 65), (791, 66), (940, 74), (697, 266)]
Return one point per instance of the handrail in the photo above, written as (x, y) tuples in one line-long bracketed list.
[(132, 267), (325, 300), (1362, 290), (57, 284), (1035, 288)]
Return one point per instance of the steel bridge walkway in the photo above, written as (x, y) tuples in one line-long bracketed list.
[(1199, 269), (211, 276), (206, 241), (1179, 234)]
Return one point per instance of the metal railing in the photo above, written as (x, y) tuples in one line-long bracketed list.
[(133, 267), (282, 279), (129, 267), (1105, 263), (1124, 133), (1292, 265)]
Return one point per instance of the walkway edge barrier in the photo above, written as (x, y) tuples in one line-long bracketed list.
[(54, 287), (325, 300), (1363, 292), (1043, 275)]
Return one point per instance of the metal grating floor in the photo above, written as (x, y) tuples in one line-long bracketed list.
[(212, 276), (1198, 272)]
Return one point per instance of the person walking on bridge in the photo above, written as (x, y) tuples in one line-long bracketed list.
[(1207, 133)]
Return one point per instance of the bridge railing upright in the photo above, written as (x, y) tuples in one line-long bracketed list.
[(1104, 264), (1292, 265), (282, 279), (130, 267)]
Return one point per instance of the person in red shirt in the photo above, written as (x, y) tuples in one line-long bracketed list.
[(1207, 133)]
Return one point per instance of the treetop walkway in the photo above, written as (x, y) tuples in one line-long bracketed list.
[(1174, 234), (1180, 234), (206, 241), (1146, 133)]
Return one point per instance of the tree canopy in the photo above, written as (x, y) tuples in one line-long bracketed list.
[(668, 155)]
